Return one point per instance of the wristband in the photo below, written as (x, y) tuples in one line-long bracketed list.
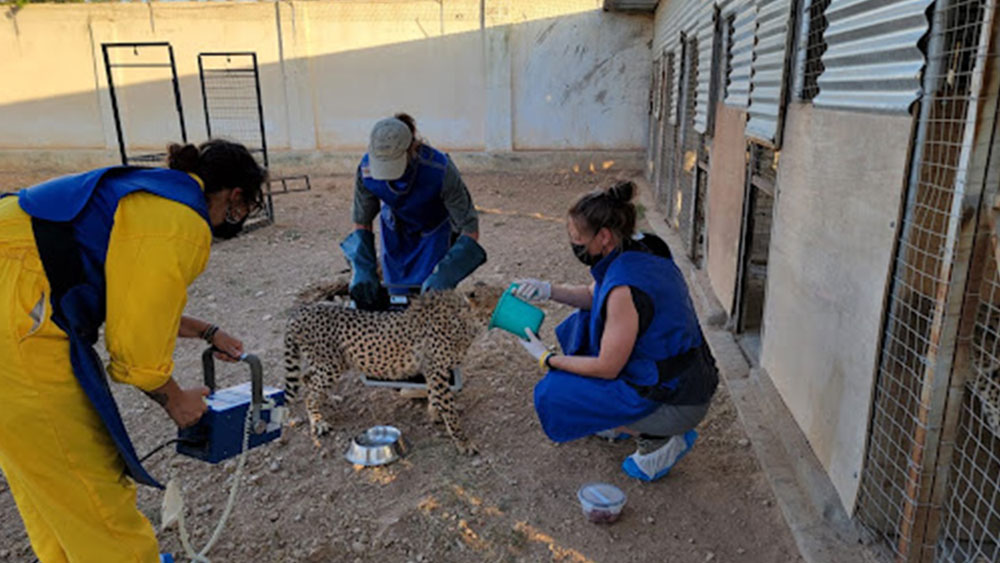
[(543, 361), (548, 361), (208, 335)]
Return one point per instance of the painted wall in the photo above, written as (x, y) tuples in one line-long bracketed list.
[(726, 179), (840, 181), (496, 81), (558, 106)]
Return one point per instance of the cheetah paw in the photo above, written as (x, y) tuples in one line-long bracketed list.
[(319, 428), (467, 448)]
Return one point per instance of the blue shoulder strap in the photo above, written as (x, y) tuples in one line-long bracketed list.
[(61, 199)]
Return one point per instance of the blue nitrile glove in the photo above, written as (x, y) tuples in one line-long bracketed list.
[(461, 260), (359, 249)]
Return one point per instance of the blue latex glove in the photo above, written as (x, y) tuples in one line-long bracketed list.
[(461, 260), (359, 249)]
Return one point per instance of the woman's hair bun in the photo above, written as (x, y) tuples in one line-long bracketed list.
[(182, 157), (622, 191)]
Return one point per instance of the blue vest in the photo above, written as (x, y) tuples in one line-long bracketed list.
[(673, 330), (572, 406), (83, 207), (416, 232), (89, 201)]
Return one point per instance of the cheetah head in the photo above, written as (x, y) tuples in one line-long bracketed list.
[(483, 299)]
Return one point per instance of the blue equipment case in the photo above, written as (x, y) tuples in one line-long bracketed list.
[(219, 434)]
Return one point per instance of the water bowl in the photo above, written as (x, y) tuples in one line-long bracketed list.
[(379, 445)]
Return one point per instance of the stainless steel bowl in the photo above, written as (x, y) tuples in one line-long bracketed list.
[(379, 445)]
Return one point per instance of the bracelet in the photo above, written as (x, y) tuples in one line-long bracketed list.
[(208, 335), (543, 360)]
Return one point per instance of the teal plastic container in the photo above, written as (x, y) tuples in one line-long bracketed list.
[(514, 315)]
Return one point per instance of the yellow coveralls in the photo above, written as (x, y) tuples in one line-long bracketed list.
[(64, 472)]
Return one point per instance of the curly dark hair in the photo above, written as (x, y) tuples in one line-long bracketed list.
[(221, 165)]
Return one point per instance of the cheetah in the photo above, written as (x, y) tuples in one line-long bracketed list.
[(431, 337)]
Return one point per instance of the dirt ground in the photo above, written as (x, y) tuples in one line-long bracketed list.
[(516, 501)]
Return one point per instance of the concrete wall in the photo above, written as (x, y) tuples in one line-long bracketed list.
[(521, 74), (840, 181), (578, 84), (726, 188)]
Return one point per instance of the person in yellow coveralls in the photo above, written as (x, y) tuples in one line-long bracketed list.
[(116, 246)]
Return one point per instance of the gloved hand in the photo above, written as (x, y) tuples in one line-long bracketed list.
[(359, 249), (536, 347), (461, 260), (533, 290)]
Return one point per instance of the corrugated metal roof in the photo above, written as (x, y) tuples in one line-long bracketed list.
[(744, 31), (872, 60), (773, 27), (630, 5), (705, 34)]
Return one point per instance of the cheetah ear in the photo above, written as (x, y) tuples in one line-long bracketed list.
[(477, 285)]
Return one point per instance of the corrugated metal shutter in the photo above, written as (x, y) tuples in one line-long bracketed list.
[(872, 60), (773, 27), (744, 32), (800, 48), (705, 34), (673, 18)]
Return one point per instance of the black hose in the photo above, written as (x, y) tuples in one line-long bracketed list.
[(165, 444)]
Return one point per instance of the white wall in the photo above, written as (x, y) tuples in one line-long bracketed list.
[(496, 81), (580, 82)]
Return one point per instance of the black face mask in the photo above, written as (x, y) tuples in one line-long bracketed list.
[(228, 228), (588, 259)]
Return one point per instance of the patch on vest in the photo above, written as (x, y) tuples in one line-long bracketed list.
[(366, 172)]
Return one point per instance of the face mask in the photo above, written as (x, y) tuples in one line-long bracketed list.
[(588, 259), (230, 227)]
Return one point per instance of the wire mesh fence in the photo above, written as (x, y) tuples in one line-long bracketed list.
[(234, 110), (970, 516), (970, 529), (815, 13), (895, 499), (230, 89)]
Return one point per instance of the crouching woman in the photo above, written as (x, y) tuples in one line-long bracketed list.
[(634, 358)]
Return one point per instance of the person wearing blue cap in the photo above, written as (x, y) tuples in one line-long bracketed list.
[(634, 358), (429, 228)]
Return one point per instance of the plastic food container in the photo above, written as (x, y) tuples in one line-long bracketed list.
[(515, 315), (602, 503)]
